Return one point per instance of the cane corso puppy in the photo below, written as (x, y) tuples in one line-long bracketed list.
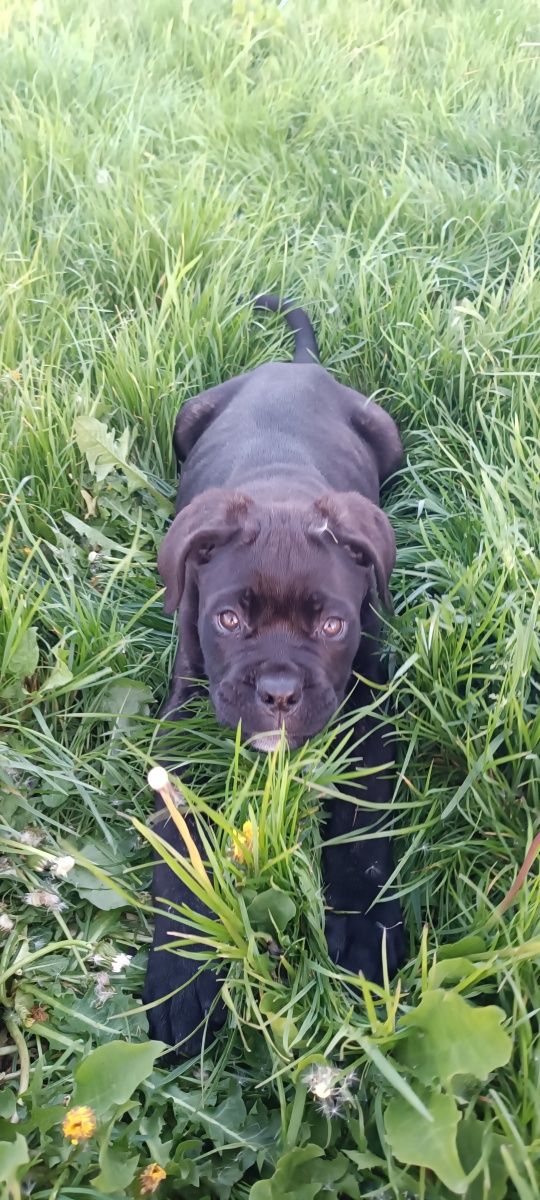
[(276, 564)]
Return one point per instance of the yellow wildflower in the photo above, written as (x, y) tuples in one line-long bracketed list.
[(242, 841), (79, 1124), (150, 1179)]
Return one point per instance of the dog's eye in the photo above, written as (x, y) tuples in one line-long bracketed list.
[(333, 627), (228, 621)]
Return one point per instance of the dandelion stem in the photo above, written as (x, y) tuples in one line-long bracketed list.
[(16, 1033), (521, 876)]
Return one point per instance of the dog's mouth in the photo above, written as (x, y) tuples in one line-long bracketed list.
[(267, 742), (264, 731)]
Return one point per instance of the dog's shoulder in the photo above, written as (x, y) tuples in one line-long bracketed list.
[(198, 413)]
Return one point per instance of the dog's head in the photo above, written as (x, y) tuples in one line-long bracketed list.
[(272, 600)]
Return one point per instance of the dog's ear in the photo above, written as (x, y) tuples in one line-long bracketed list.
[(363, 530), (211, 520)]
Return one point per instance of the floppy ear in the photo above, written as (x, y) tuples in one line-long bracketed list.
[(361, 528), (212, 519)]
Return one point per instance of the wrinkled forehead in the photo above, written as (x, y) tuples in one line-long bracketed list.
[(278, 575)]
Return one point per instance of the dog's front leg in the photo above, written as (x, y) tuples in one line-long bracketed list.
[(361, 925), (186, 1008)]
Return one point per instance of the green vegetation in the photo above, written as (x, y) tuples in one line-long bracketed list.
[(379, 162)]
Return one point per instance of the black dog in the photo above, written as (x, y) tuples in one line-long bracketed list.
[(275, 563)]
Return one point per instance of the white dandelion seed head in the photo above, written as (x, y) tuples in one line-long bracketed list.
[(321, 1081), (158, 779), (103, 177), (40, 898), (330, 1106)]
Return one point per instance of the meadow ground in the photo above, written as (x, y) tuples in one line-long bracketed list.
[(379, 161)]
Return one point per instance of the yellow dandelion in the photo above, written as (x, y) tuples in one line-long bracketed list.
[(79, 1124), (242, 841), (150, 1179)]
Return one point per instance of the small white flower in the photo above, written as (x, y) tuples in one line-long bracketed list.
[(31, 837), (62, 866), (92, 556), (103, 177), (42, 899), (119, 963), (103, 989), (6, 923)]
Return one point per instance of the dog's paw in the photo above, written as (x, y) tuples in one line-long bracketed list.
[(191, 1017), (358, 943)]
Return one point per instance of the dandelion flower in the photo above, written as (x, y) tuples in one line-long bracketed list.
[(31, 837), (42, 899), (322, 1081), (119, 963), (103, 990), (38, 1012), (150, 1179), (62, 866), (79, 1124), (242, 841), (6, 923)]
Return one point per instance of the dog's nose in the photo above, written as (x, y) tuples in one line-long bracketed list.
[(279, 689)]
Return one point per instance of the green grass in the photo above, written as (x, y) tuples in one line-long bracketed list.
[(379, 162)]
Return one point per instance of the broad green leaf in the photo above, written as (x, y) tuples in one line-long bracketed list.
[(271, 910), (449, 1036), (126, 698), (364, 1159), (296, 1175), (24, 659), (61, 673), (111, 1073), (450, 970), (13, 1156), (394, 1078), (348, 1186), (8, 1102), (95, 890), (431, 1144), (471, 944), (96, 537), (476, 1140), (230, 1114), (117, 1171), (105, 453)]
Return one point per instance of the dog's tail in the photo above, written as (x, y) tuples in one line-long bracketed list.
[(305, 345)]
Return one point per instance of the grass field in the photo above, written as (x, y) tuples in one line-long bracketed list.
[(378, 161)]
